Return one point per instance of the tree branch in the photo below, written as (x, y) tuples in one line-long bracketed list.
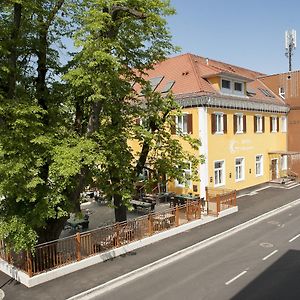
[(116, 9), (53, 12)]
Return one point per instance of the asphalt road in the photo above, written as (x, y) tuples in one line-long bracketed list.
[(260, 262), (250, 206)]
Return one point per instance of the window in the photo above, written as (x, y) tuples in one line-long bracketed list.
[(218, 123), (259, 165), (282, 92), (186, 173), (238, 86), (232, 87), (283, 124), (226, 84), (184, 124), (284, 162), (181, 122), (258, 124), (239, 123), (219, 172), (239, 169), (274, 124)]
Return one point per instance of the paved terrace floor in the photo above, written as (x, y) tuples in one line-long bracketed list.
[(250, 206)]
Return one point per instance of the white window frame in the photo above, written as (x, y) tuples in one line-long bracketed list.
[(226, 90), (283, 124), (242, 166), (284, 162), (236, 92), (239, 123), (259, 123), (219, 122), (261, 163), (182, 124), (188, 183), (222, 174), (274, 124), (232, 89)]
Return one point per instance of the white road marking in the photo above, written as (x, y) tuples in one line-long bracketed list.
[(266, 245), (266, 257), (295, 237), (236, 277)]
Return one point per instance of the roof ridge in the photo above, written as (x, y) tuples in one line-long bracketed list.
[(229, 65)]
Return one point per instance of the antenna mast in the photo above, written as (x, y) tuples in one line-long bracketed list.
[(290, 45)]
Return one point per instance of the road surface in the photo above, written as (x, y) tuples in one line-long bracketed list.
[(260, 262)]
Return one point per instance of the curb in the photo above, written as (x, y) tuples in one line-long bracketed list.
[(121, 280)]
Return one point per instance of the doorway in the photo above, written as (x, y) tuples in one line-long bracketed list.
[(274, 168)]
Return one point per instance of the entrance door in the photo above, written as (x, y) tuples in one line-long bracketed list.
[(274, 168)]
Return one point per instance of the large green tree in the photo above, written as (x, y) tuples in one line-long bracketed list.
[(65, 128)]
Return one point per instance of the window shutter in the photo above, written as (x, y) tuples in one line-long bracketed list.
[(190, 123), (173, 126), (234, 123), (271, 129), (213, 123), (225, 123), (263, 124), (255, 123), (244, 123), (277, 124)]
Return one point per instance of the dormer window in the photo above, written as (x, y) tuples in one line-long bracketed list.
[(229, 86), (238, 87), (226, 84)]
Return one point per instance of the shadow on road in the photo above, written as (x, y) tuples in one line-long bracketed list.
[(280, 281)]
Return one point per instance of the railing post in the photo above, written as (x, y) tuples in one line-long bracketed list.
[(176, 216), (199, 209), (207, 199), (234, 199), (29, 263), (218, 204), (150, 225), (117, 241), (187, 210), (78, 246)]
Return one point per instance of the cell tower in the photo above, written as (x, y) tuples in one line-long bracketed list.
[(290, 45)]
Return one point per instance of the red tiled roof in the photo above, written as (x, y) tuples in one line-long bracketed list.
[(190, 74)]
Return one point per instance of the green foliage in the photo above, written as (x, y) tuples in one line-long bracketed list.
[(63, 128)]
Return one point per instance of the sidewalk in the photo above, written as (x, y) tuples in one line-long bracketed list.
[(69, 285)]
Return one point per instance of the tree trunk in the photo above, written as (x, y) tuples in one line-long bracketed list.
[(120, 209), (52, 230), (13, 57)]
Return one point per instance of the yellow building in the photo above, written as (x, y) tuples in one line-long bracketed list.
[(241, 123)]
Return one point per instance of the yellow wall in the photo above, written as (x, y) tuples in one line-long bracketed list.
[(186, 146), (215, 82), (247, 145)]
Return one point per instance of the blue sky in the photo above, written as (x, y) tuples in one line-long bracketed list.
[(249, 34)]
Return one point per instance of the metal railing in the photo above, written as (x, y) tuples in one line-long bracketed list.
[(74, 248)]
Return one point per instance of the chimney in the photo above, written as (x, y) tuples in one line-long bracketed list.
[(206, 61)]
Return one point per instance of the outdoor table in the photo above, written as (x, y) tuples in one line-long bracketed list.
[(141, 204), (75, 222)]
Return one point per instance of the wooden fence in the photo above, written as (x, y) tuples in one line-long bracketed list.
[(219, 199), (64, 251)]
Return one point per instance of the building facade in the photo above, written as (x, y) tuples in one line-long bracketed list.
[(287, 86), (241, 123)]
